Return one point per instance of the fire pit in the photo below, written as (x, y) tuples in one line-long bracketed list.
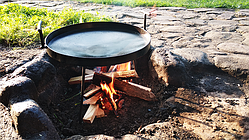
[(96, 44)]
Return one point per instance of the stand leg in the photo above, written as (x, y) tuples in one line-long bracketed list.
[(82, 93)]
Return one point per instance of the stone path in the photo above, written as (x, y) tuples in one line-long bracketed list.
[(222, 34), (200, 36)]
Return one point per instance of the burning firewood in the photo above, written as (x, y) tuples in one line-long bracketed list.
[(100, 113), (128, 88), (93, 99), (92, 92), (140, 86), (117, 74), (90, 113)]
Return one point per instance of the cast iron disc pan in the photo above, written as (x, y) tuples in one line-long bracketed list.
[(97, 43)]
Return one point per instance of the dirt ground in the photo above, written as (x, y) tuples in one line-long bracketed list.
[(212, 106)]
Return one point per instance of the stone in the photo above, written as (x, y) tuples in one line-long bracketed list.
[(31, 122), (38, 70), (17, 89), (244, 23), (167, 68), (228, 28), (226, 16), (235, 48), (222, 22), (183, 42), (235, 65), (219, 37), (195, 22), (192, 58), (167, 18), (246, 42)]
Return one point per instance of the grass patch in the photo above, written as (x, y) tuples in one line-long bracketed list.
[(234, 4), (19, 23)]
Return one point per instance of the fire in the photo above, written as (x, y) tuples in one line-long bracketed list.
[(110, 91), (109, 88), (124, 66)]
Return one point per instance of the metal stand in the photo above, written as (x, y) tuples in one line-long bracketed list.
[(82, 93)]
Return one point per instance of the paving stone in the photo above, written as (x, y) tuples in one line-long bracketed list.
[(167, 18), (235, 65), (219, 37), (244, 23), (225, 16), (202, 10), (243, 29), (195, 22), (235, 48), (222, 22), (192, 57)]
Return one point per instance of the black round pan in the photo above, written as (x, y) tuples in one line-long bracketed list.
[(97, 43)]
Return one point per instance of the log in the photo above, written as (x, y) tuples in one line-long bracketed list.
[(90, 113), (100, 113), (123, 74), (93, 99), (129, 89), (77, 80), (92, 92), (89, 72), (140, 86), (117, 74)]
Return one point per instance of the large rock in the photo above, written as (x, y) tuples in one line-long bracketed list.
[(168, 68), (192, 58), (235, 65), (39, 70), (31, 122), (235, 48), (17, 89), (220, 37)]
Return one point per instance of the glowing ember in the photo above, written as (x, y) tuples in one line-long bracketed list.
[(110, 91)]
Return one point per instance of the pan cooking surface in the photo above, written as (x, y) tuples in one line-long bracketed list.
[(97, 43)]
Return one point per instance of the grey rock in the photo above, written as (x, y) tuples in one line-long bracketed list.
[(192, 57), (243, 29), (246, 41), (31, 122), (235, 65), (244, 23), (167, 68), (38, 70), (228, 28), (183, 42), (222, 22), (235, 48), (17, 89), (195, 22), (219, 37), (226, 16), (167, 18)]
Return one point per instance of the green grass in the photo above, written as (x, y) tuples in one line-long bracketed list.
[(234, 4), (19, 23)]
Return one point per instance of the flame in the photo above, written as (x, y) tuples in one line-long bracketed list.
[(124, 66), (110, 91)]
